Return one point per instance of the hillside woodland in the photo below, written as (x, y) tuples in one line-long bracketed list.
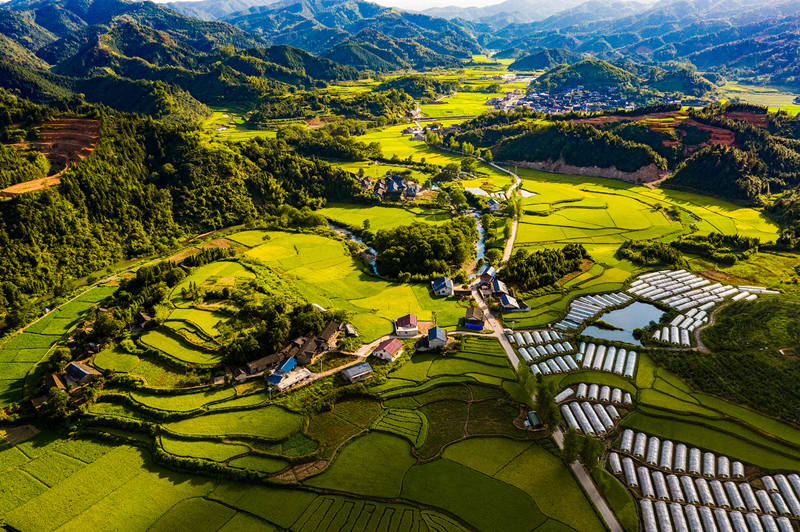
[(148, 183)]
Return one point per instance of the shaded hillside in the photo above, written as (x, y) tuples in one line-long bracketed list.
[(145, 58), (321, 25), (371, 50), (681, 79), (215, 9), (741, 38), (544, 58), (146, 183), (590, 73), (506, 12)]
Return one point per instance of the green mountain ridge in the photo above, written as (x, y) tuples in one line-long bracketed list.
[(321, 25)]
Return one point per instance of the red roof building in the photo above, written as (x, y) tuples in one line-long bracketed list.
[(388, 349), (406, 326)]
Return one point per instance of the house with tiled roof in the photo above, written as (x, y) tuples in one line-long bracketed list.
[(406, 326), (388, 349)]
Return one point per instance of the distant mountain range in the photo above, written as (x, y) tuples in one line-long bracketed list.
[(215, 9), (739, 38), (139, 56), (361, 33), (506, 12), (189, 54)]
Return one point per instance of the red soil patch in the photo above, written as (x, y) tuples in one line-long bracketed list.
[(585, 266), (719, 135), (722, 277), (63, 141), (319, 122), (223, 243)]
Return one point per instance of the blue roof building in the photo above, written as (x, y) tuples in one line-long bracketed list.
[(499, 287), (508, 302), (289, 365), (80, 371), (437, 337), (488, 272), (443, 286), (279, 374)]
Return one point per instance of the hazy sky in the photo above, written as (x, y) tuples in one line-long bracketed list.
[(424, 4), (416, 4)]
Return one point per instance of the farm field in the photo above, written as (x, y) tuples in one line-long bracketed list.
[(176, 347), (154, 373), (667, 407), (394, 142), (464, 431), (601, 214), (775, 98), (24, 350), (324, 273), (377, 169), (230, 125), (381, 217), (461, 104)]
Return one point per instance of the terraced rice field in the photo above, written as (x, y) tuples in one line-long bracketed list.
[(174, 346), (370, 451), (775, 98), (20, 354), (154, 373)]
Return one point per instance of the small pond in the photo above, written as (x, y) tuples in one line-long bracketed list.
[(636, 315)]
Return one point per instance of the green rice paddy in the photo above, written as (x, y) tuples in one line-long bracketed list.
[(381, 217), (24, 350), (775, 98), (461, 104), (324, 273)]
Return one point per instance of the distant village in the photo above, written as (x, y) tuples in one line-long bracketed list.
[(576, 99)]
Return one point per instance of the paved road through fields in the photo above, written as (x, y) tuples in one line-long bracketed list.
[(577, 468)]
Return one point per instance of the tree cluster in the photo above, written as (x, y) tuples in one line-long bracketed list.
[(717, 247), (530, 270), (420, 87), (329, 142), (651, 253), (424, 251)]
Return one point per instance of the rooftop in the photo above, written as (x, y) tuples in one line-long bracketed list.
[(391, 346), (357, 370), (474, 313), (437, 333), (409, 320)]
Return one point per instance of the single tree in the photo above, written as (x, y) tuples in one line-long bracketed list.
[(573, 444), (591, 452)]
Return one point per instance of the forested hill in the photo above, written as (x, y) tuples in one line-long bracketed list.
[(138, 56), (147, 184), (589, 73), (396, 37)]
